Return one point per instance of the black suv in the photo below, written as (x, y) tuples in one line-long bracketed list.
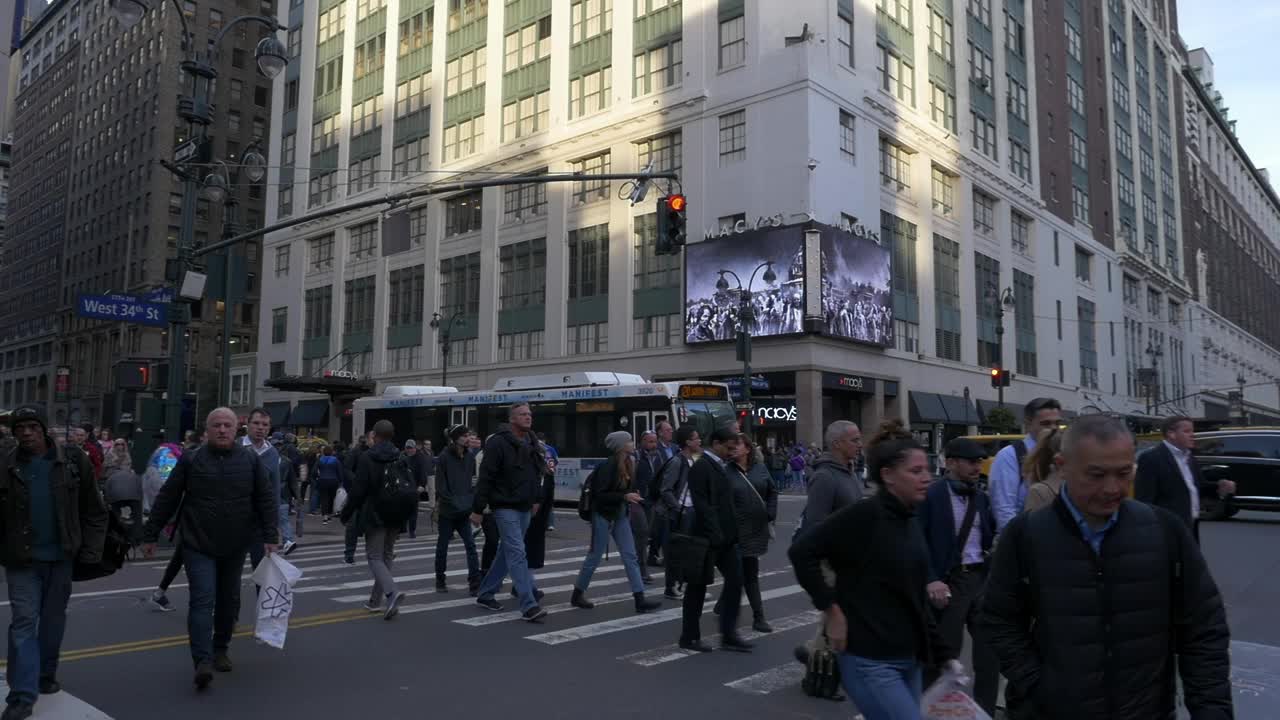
[(1250, 458)]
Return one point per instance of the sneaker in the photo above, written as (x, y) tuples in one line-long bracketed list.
[(373, 607), (695, 645), (289, 546), (672, 594), (734, 643), (222, 662), (204, 675), (349, 558), (534, 614), (50, 686), (488, 603), (393, 605), (160, 602), (17, 711), (761, 626)]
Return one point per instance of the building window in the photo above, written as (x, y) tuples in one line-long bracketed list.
[(460, 285), (659, 68), (941, 36), (1075, 96), (282, 260), (285, 201), (895, 165), (733, 42), (526, 116), (406, 295), (464, 72), (943, 192), (984, 212), (514, 347), (320, 252), (318, 312), (522, 274), (589, 18), (241, 392), (413, 95), (588, 191), (405, 358), (987, 290), (1073, 43), (1020, 232), (416, 32), (1079, 152), (465, 12), (657, 331), (1080, 204), (848, 137), (276, 369), (412, 157), (365, 8), (587, 339), (844, 38), (942, 107), (981, 69), (464, 139), (363, 240), (733, 137), (528, 45), (370, 56), (418, 227), (1017, 100), (279, 325), (589, 262), (1154, 304), (1085, 313), (652, 271), (981, 11), (665, 152), (1024, 322), (358, 299), (1129, 288), (983, 135), (1019, 160), (590, 93), (946, 290), (896, 76), (362, 175), (524, 202), (324, 134), (1084, 265), (462, 213), (900, 236), (331, 23)]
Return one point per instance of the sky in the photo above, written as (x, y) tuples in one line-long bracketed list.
[(1240, 36)]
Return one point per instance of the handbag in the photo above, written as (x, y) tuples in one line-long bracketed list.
[(822, 672), (115, 550), (688, 555)]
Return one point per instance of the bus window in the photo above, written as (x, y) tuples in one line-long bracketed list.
[(709, 416), (639, 424)]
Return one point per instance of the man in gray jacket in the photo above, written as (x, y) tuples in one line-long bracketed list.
[(832, 484)]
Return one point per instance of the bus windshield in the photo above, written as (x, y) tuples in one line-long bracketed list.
[(707, 416)]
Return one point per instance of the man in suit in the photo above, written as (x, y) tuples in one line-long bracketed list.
[(959, 527), (714, 519), (1169, 477), (649, 462)]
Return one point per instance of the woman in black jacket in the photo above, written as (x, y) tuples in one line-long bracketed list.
[(611, 490), (877, 616), (755, 505)]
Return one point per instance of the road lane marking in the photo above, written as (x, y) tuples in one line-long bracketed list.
[(673, 652), (769, 681), (411, 578), (559, 607), (455, 573)]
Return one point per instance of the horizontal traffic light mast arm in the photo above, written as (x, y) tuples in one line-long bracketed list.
[(434, 189)]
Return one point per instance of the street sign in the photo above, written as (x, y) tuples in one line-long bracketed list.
[(159, 295), (121, 307), (194, 150), (62, 384)]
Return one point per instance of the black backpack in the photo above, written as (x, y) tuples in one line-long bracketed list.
[(584, 497), (116, 544), (397, 494)]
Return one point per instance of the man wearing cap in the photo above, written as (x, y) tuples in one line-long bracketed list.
[(958, 528), (43, 536), (455, 468), (416, 461)]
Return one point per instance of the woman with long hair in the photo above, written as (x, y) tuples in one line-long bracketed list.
[(878, 618), (611, 491), (755, 505), (1041, 472)]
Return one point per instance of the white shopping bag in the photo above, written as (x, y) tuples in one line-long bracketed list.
[(276, 576), (339, 501), (947, 700)]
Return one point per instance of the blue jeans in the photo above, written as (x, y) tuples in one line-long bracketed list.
[(512, 525), (602, 528), (214, 586), (286, 527), (882, 689), (461, 524), (38, 598)]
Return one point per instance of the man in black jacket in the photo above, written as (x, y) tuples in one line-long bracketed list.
[(675, 505), (455, 494), (226, 502), (52, 516), (512, 477), (1091, 600), (713, 519), (350, 461), (380, 530), (1169, 477), (648, 464)]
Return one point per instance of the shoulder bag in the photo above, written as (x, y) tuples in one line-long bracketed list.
[(688, 555)]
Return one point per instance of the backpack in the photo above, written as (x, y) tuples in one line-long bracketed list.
[(585, 498), (397, 494), (797, 462), (1020, 452), (116, 544)]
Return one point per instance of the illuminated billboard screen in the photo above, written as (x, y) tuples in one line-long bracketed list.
[(857, 303), (777, 307)]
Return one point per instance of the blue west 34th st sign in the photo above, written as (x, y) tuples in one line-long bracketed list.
[(127, 308)]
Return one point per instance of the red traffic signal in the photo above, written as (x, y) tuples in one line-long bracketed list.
[(671, 224), (1000, 377), (677, 203)]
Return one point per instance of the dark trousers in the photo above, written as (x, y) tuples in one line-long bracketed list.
[(640, 519), (658, 533), (461, 524), (412, 524), (353, 537), (695, 596), (215, 601), (491, 538), (960, 613), (38, 596), (751, 585), (327, 494)]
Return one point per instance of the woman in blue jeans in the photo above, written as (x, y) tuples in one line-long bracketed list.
[(877, 617), (611, 491)]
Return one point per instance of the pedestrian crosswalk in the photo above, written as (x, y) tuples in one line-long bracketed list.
[(612, 629)]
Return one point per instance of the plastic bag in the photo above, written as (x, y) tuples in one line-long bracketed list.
[(947, 700), (276, 578), (339, 500)]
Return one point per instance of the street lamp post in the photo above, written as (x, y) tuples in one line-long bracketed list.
[(1002, 300), (746, 316), (446, 331), (1155, 352), (1244, 416), (196, 109)]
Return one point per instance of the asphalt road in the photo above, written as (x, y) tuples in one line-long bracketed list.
[(444, 655)]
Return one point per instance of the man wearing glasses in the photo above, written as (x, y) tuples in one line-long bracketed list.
[(1008, 491)]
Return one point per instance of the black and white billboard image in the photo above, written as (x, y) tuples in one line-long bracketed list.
[(777, 308), (857, 302)]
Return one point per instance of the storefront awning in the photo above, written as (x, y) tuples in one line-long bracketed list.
[(310, 413), (959, 410), (926, 408), (986, 406), (279, 412)]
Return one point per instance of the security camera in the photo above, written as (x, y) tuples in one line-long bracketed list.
[(813, 164)]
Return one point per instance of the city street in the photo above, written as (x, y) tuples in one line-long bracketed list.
[(445, 655)]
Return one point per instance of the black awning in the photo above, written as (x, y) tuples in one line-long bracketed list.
[(926, 407), (310, 413), (279, 412), (328, 385), (959, 410), (986, 406)]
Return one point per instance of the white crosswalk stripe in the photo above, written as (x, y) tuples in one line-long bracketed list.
[(561, 607), (673, 652), (769, 681), (539, 577), (411, 578)]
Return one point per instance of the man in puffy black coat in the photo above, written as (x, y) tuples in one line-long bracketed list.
[(1092, 599)]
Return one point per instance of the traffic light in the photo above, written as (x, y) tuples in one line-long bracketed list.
[(1000, 377), (671, 224), (133, 375)]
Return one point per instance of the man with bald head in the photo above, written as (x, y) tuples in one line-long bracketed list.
[(226, 503)]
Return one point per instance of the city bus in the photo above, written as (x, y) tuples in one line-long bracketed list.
[(573, 411)]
